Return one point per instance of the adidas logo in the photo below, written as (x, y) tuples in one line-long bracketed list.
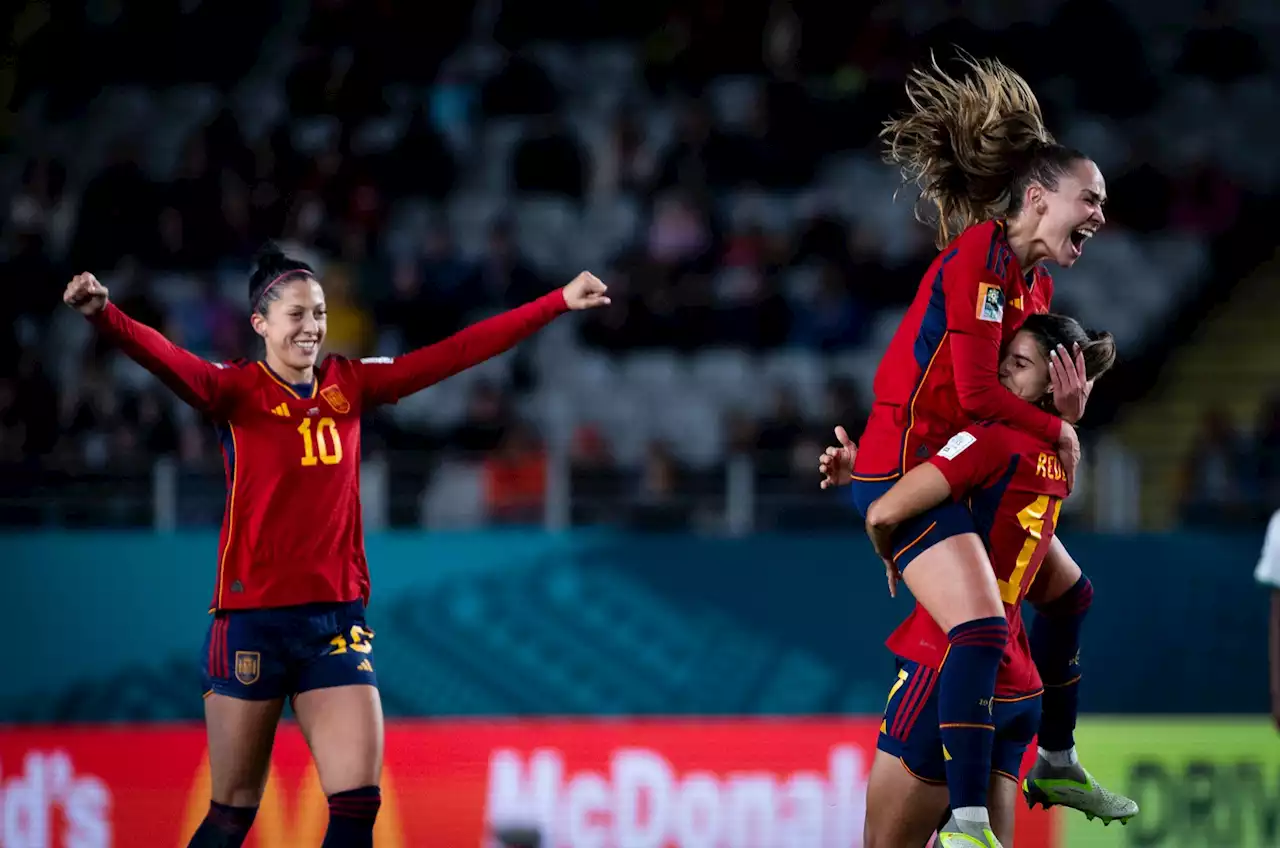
[(365, 665), (282, 410)]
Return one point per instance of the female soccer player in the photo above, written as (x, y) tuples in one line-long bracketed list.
[(1008, 199), (292, 581), (1015, 487)]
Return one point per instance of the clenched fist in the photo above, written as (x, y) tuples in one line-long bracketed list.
[(586, 292), (85, 294)]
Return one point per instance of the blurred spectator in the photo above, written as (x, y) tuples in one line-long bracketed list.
[(516, 478), (503, 277), (1218, 49), (487, 421), (1215, 490), (550, 160)]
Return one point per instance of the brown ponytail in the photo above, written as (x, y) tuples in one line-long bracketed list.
[(972, 144)]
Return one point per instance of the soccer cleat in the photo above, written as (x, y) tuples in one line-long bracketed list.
[(957, 833), (1072, 786)]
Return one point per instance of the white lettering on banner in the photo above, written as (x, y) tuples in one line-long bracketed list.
[(29, 802), (644, 803)]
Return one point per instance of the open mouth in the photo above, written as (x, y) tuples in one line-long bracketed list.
[(1078, 238), (308, 347)]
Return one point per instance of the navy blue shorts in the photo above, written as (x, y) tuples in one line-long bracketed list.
[(258, 655), (916, 535), (910, 728)]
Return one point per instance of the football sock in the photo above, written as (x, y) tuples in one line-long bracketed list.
[(966, 687), (224, 826), (1055, 647), (351, 817)]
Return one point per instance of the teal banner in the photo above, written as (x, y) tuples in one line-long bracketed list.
[(109, 626)]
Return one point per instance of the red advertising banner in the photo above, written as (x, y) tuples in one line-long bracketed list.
[(590, 784)]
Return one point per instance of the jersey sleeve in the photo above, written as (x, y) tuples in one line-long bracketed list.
[(970, 460), (205, 386), (1268, 571), (387, 380), (975, 319)]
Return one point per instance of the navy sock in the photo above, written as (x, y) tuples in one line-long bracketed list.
[(224, 826), (351, 817), (1055, 647), (966, 687)]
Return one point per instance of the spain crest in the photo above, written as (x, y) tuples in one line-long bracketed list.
[(248, 666), (336, 399)]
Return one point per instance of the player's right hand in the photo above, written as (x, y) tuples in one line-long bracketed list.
[(1069, 453), (85, 294), (836, 463)]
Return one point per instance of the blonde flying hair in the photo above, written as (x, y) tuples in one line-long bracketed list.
[(972, 144)]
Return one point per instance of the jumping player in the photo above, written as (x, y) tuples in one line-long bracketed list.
[(1014, 485), (1008, 199), (288, 611)]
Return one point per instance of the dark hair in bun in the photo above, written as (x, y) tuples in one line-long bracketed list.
[(272, 267)]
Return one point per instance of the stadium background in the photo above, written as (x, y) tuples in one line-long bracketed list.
[(610, 598)]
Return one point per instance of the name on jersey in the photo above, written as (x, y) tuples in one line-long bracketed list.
[(990, 303), (1048, 467)]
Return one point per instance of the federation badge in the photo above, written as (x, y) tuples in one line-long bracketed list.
[(336, 399), (248, 667)]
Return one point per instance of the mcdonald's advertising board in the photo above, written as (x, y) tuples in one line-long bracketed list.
[(592, 784)]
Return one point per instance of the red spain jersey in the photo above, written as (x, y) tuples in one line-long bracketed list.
[(1015, 487), (941, 371), (291, 530)]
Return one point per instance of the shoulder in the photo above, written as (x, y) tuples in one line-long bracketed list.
[(979, 240)]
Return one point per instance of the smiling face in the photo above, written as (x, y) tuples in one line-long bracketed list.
[(1070, 214), (293, 328), (1024, 369)]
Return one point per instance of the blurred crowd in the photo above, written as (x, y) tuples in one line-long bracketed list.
[(1233, 475), (692, 276)]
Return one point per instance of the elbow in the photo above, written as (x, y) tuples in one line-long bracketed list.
[(977, 403), (878, 515)]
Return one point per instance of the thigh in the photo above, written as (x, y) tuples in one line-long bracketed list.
[(1058, 573), (244, 658), (330, 646), (1016, 723), (240, 734), (910, 731), (344, 730), (954, 582), (901, 811)]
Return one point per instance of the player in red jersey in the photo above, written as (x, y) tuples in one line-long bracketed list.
[(292, 581), (1009, 199), (1014, 485)]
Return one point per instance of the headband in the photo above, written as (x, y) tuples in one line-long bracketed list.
[(268, 286)]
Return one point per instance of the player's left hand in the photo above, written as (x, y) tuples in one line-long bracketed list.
[(586, 292), (892, 574), (836, 464), (1068, 382)]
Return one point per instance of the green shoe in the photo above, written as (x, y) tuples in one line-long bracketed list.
[(1072, 786), (966, 834)]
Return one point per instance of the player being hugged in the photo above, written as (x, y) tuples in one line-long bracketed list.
[(288, 611), (1008, 199), (1014, 485)]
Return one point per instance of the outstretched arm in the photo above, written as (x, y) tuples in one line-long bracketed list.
[(198, 382), (386, 380)]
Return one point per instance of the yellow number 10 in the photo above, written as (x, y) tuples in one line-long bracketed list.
[(330, 451), (1032, 520)]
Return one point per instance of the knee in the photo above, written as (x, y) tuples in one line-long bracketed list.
[(1073, 603), (991, 633)]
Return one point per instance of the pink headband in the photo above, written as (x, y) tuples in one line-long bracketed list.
[(268, 286)]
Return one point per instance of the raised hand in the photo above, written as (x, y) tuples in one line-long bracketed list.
[(586, 292), (85, 294)]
